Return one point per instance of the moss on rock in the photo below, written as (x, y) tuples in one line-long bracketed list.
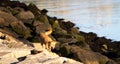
[(65, 51)]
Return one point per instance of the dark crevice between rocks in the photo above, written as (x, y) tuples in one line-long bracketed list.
[(33, 52), (14, 63), (19, 60), (3, 37), (22, 58), (111, 55)]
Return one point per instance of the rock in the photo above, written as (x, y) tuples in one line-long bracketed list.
[(17, 10), (9, 31), (59, 31), (66, 25), (46, 57), (43, 18), (112, 62), (14, 53), (27, 18), (41, 27), (61, 60), (11, 49), (4, 1), (103, 45), (65, 51), (67, 40), (20, 29), (25, 15), (8, 18), (74, 30), (79, 37), (84, 55), (7, 9), (17, 26), (52, 20), (22, 55), (88, 57), (37, 46), (8, 56), (44, 11), (10, 41), (8, 60), (16, 4), (2, 22), (55, 24), (34, 9)]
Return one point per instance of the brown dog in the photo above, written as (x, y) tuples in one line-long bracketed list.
[(47, 41)]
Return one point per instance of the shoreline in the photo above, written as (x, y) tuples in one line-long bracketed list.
[(27, 22)]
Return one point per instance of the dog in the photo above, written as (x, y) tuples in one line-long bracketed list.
[(46, 41)]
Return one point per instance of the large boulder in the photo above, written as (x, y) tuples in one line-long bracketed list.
[(10, 41), (8, 18), (41, 27), (11, 49), (20, 29), (13, 4), (46, 57), (17, 10), (83, 55), (6, 9), (57, 30), (66, 25), (34, 9), (25, 16)]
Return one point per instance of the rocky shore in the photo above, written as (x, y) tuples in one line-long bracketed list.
[(29, 36)]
